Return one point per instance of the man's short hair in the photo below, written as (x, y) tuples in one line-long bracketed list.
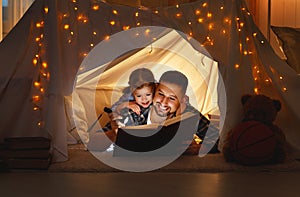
[(175, 77)]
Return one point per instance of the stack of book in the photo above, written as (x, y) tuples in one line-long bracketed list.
[(26, 152)]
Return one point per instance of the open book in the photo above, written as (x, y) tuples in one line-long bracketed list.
[(132, 140)]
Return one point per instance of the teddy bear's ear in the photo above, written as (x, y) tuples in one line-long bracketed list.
[(245, 98), (277, 105)]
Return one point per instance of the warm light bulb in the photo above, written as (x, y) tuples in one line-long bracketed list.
[(226, 20), (126, 27), (204, 4), (95, 7), (112, 22), (35, 61), (256, 90), (37, 84), (36, 98), (209, 15), (200, 20), (39, 24), (236, 66), (115, 12), (197, 12), (45, 65), (178, 15), (46, 10), (136, 14), (66, 26)]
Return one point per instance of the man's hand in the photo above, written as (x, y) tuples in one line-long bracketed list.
[(115, 121), (134, 107), (130, 105)]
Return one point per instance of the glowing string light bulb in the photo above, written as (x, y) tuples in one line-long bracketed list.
[(36, 98), (34, 61), (95, 7), (37, 84), (66, 26), (200, 20), (46, 10), (45, 65), (115, 12)]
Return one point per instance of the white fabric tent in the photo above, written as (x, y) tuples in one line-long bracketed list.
[(40, 58), (101, 85)]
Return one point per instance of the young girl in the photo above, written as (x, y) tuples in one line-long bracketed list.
[(136, 100)]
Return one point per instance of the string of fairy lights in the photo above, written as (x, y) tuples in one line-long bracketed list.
[(41, 65), (76, 17)]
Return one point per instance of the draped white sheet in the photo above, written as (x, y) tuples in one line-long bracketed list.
[(225, 29), (101, 85)]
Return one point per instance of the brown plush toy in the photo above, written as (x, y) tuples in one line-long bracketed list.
[(256, 140)]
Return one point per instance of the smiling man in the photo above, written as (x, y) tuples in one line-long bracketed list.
[(169, 101)]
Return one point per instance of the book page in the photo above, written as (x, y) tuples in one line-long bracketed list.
[(182, 117)]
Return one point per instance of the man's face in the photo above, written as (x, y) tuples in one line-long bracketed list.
[(167, 98)]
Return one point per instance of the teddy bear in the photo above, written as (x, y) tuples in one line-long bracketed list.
[(256, 139)]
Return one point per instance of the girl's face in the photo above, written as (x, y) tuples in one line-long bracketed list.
[(143, 96)]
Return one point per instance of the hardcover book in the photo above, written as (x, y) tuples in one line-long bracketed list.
[(163, 139)]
